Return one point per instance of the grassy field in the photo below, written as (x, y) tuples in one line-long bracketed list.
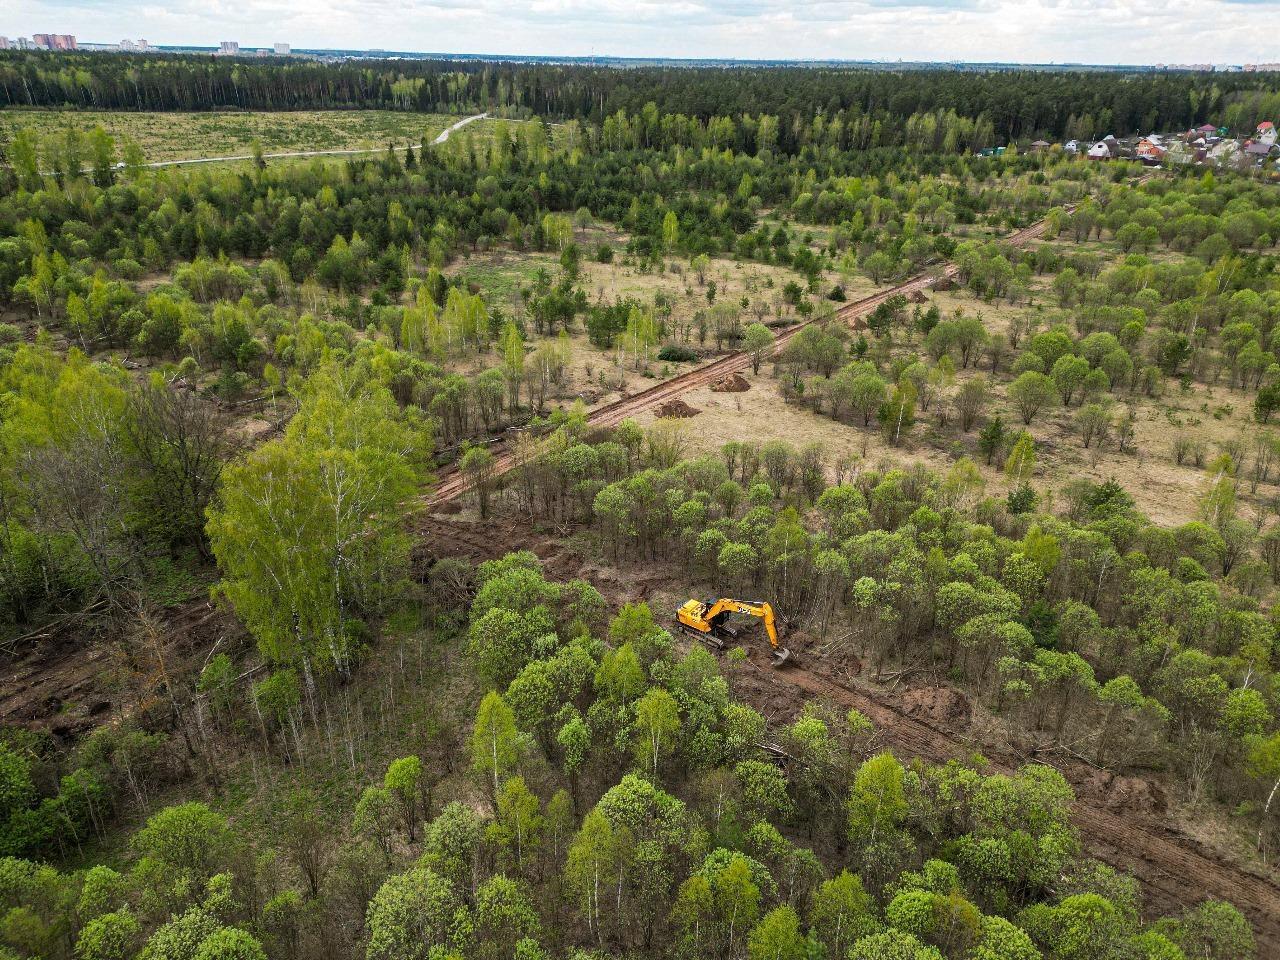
[(182, 136)]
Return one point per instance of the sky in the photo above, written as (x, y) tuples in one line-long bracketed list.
[(1043, 31)]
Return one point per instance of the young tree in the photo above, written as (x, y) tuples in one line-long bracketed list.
[(670, 230), (1021, 462), (230, 943), (592, 868), (518, 821), (758, 341), (477, 464), (867, 395), (403, 781), (1031, 393), (991, 438), (877, 803), (657, 722), (496, 744), (841, 912), (414, 914), (970, 401), (777, 937), (898, 413)]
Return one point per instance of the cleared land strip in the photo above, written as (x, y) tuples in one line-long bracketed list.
[(442, 138), (290, 154), (453, 484)]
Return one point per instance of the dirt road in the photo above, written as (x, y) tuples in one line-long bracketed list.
[(453, 484)]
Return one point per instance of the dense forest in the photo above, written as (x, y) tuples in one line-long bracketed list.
[(1010, 105), (337, 592)]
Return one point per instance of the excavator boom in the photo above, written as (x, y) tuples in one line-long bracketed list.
[(706, 620)]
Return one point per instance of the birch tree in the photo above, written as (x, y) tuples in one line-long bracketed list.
[(309, 535)]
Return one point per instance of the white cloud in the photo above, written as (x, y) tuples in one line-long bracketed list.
[(1095, 31)]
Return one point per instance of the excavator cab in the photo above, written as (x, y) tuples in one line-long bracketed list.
[(708, 621)]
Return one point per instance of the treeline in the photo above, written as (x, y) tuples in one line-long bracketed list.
[(1008, 105)]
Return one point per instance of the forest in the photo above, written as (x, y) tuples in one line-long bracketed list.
[(1006, 105), (346, 504)]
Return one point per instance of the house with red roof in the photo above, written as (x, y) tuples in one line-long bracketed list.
[(1266, 133), (1151, 149)]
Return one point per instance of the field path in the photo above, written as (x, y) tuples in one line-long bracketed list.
[(444, 134), (453, 484)]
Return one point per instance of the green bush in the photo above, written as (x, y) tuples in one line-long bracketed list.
[(674, 354)]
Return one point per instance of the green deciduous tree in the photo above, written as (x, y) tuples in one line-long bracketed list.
[(414, 914), (309, 535), (657, 723), (496, 744)]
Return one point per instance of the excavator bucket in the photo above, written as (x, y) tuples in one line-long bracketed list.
[(780, 656)]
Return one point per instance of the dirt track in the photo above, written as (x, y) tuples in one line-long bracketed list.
[(1174, 870), (453, 484)]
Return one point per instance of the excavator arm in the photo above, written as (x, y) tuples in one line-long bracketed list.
[(755, 608), (707, 621)]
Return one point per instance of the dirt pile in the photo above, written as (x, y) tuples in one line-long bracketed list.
[(677, 408), (1119, 793), (733, 383), (918, 296), (940, 706)]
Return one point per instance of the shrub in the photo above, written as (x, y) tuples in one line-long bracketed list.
[(676, 354)]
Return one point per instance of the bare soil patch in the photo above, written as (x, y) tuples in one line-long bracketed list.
[(676, 408), (945, 706), (733, 383)]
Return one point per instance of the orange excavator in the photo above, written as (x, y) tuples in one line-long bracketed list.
[(707, 620)]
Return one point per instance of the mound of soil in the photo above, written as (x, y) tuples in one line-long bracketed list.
[(1119, 793), (733, 383), (940, 706), (677, 408), (918, 296)]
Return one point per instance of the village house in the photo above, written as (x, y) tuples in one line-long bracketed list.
[(1225, 153), (1266, 133), (1150, 149), (1256, 152)]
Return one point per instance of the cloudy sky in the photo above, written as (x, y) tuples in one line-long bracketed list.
[(1092, 31)]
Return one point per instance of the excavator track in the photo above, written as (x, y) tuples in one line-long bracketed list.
[(710, 639)]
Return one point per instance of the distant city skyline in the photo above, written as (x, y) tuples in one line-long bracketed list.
[(1028, 31)]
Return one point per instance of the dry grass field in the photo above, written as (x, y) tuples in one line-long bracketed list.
[(184, 136)]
